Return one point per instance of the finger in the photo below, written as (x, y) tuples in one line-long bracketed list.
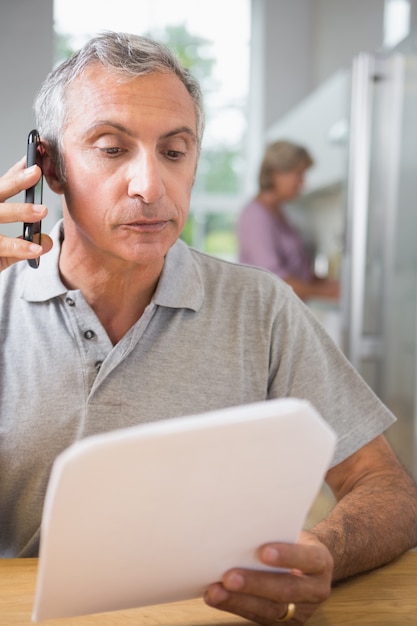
[(281, 587), (311, 558), (17, 179), (11, 212), (255, 609), (17, 249), (247, 607)]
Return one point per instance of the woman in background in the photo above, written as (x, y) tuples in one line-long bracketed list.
[(267, 238)]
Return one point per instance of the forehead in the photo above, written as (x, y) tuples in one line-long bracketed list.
[(298, 170), (98, 93)]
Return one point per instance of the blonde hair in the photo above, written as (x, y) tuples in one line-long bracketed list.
[(282, 156)]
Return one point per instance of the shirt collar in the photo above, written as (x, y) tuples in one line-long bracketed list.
[(180, 284)]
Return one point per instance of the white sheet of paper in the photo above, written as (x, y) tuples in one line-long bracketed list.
[(155, 513)]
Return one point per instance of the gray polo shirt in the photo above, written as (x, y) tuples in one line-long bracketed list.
[(216, 334)]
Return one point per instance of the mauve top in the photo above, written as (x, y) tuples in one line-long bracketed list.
[(268, 240)]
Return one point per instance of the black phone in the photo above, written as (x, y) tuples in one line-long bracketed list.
[(33, 195)]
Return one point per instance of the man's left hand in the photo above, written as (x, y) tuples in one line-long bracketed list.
[(264, 597)]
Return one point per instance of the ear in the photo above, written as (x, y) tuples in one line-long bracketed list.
[(49, 171)]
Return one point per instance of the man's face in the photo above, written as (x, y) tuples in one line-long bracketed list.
[(130, 154)]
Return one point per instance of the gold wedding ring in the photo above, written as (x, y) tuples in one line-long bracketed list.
[(289, 613)]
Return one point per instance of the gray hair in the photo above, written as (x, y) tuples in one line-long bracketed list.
[(282, 156), (128, 56)]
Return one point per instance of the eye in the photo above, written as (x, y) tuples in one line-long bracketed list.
[(112, 151), (174, 155)]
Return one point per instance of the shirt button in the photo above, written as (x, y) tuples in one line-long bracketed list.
[(89, 334), (70, 301)]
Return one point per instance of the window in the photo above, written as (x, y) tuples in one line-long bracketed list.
[(396, 21), (213, 40)]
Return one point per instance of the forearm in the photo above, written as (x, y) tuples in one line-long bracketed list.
[(372, 524), (320, 289)]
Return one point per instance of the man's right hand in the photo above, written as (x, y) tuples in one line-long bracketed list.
[(13, 249)]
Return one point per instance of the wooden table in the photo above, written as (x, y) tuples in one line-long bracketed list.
[(385, 597)]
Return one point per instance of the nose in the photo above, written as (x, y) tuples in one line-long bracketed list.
[(145, 178)]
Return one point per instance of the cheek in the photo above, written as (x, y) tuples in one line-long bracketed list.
[(178, 191), (86, 184), (84, 200)]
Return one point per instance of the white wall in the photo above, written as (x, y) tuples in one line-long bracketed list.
[(342, 29), (306, 41), (26, 48), (26, 52), (288, 39)]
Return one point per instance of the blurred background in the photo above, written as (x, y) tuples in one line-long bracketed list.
[(338, 77)]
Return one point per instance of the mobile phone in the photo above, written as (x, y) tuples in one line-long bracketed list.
[(33, 195)]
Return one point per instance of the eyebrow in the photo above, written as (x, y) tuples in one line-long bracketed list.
[(172, 133)]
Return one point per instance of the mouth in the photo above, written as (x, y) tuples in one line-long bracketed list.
[(145, 226)]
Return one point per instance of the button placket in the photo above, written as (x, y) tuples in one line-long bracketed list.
[(93, 344)]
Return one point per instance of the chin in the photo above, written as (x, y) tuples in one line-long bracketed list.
[(149, 253)]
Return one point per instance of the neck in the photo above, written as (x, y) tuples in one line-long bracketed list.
[(118, 294), (270, 200)]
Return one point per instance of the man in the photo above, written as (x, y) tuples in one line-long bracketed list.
[(122, 323)]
